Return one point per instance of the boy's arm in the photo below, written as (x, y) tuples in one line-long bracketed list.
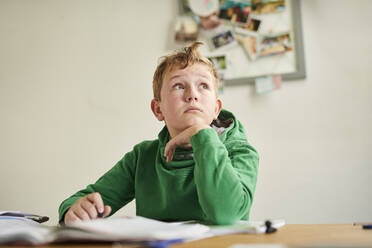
[(116, 187), (225, 176)]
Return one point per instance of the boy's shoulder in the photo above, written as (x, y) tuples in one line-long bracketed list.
[(147, 144), (154, 144)]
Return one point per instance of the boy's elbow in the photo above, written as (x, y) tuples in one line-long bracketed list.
[(229, 214), (223, 218)]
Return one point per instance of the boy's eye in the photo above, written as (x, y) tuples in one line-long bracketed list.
[(178, 86), (203, 86)]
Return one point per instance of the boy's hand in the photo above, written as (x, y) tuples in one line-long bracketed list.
[(182, 139), (87, 208)]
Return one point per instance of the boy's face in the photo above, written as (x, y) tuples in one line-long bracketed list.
[(188, 97)]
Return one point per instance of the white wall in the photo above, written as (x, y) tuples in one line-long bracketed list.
[(75, 89)]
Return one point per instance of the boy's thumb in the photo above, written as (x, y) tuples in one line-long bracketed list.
[(107, 211)]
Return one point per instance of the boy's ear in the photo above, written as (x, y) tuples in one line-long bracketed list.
[(218, 108), (155, 107)]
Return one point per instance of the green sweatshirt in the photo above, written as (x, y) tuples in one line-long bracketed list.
[(213, 183)]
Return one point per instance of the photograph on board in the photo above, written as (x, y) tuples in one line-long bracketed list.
[(185, 29), (274, 44), (249, 44), (235, 11), (222, 39), (252, 27), (267, 6), (219, 62)]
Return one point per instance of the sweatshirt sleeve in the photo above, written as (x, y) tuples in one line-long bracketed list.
[(116, 187), (225, 176)]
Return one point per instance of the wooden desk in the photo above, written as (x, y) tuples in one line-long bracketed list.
[(296, 235), (300, 235)]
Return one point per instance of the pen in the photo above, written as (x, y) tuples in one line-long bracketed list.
[(34, 217), (365, 225), (362, 223)]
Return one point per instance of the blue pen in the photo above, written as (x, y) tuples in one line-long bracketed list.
[(33, 217), (163, 243), (365, 225)]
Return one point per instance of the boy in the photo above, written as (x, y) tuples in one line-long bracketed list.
[(201, 167)]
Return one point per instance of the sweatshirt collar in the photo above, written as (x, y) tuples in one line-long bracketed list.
[(224, 123)]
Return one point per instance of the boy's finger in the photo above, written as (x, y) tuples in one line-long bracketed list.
[(96, 199), (170, 156), (71, 217), (107, 211), (90, 209), (168, 147), (81, 214), (167, 152)]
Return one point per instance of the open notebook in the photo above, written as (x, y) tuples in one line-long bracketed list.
[(137, 229)]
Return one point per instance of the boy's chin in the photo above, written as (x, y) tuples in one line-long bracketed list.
[(189, 122)]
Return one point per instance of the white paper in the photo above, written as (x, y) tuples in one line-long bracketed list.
[(120, 229), (140, 228), (254, 227), (23, 231)]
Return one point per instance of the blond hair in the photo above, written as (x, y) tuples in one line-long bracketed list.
[(182, 59)]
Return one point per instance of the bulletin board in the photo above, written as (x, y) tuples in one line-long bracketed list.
[(240, 66)]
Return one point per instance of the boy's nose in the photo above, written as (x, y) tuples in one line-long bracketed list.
[(191, 95), (192, 98)]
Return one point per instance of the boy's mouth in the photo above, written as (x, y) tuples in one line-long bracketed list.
[(192, 110)]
